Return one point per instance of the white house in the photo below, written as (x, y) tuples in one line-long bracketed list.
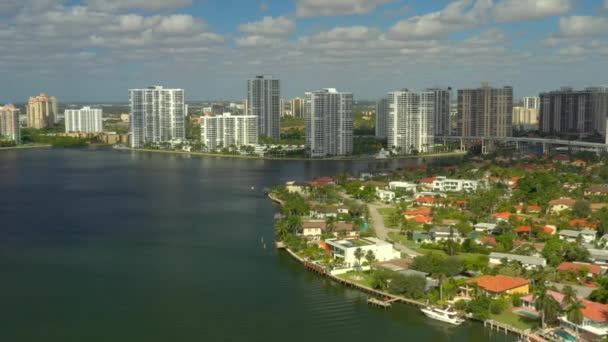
[(406, 186), (445, 233), (484, 227), (385, 195), (444, 184), (527, 262), (345, 250), (586, 235), (313, 229)]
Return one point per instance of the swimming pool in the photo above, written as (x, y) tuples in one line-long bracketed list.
[(565, 335)]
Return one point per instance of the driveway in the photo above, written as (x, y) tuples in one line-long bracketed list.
[(382, 231)]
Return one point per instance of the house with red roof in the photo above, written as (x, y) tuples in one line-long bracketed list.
[(502, 216), (499, 285), (597, 190), (579, 163), (593, 271), (561, 158), (322, 182), (418, 211), (488, 241), (428, 182), (523, 230), (549, 229), (581, 224), (427, 201), (561, 204)]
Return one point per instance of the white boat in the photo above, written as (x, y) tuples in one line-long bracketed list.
[(448, 315)]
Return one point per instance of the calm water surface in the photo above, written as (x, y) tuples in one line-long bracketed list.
[(119, 246)]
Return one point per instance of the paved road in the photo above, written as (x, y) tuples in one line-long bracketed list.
[(382, 231)]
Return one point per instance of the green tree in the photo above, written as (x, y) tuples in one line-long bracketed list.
[(281, 230), (581, 208), (574, 313), (370, 257), (600, 294), (548, 307), (358, 255)]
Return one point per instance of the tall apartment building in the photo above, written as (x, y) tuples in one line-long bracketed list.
[(297, 107), (86, 120), (157, 115), (9, 123), (41, 111), (381, 118), (485, 111), (227, 130), (264, 101), (574, 111), (442, 122), (531, 102), (411, 120), (328, 117)]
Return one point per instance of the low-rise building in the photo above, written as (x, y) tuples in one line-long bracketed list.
[(445, 233), (345, 250), (443, 184), (598, 256), (385, 195), (597, 190), (561, 204), (528, 262), (499, 285), (586, 235), (483, 227), (592, 271), (405, 186), (313, 229)]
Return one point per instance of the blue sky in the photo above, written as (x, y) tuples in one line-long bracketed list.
[(94, 50)]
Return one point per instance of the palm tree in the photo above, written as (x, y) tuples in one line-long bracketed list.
[(370, 257), (569, 296), (544, 303), (358, 255), (574, 314), (281, 229)]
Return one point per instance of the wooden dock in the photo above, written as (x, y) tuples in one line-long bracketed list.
[(381, 303), (280, 245)]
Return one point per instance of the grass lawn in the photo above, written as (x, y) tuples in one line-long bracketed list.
[(515, 320), (386, 213), (365, 281), (402, 239)]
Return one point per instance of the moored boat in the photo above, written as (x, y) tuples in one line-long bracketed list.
[(448, 315)]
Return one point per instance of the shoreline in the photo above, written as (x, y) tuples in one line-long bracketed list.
[(20, 147), (508, 329), (237, 156)]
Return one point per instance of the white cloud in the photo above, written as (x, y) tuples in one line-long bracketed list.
[(490, 37), (520, 10), (352, 33), (458, 15), (582, 26), (269, 26), (146, 5), (606, 4), (257, 41), (312, 8)]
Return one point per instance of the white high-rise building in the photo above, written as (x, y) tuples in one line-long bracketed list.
[(86, 120), (411, 120), (381, 118), (264, 101), (328, 117), (157, 115), (229, 130), (9, 123), (532, 102), (442, 122)]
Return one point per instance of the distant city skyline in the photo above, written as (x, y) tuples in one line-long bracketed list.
[(366, 47)]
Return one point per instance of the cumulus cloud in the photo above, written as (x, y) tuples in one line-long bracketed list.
[(520, 10), (269, 26), (458, 15), (146, 5), (580, 26), (313, 8)]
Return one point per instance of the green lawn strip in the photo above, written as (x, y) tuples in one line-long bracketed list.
[(515, 320), (365, 278)]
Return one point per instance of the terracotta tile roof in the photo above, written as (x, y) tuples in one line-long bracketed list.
[(343, 226), (574, 266), (425, 211), (425, 199), (595, 311), (428, 180), (504, 215), (314, 224), (533, 207), (578, 222), (564, 201), (423, 219), (601, 189), (499, 283), (489, 240), (523, 229), (549, 229)]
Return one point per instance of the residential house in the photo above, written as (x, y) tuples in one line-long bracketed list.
[(313, 229), (483, 227), (598, 256), (295, 188), (444, 184), (405, 186), (322, 182), (345, 228), (528, 262), (445, 233), (581, 224), (427, 183), (561, 204), (421, 237), (345, 249), (593, 271), (502, 216), (529, 208), (418, 211), (385, 195), (488, 241), (323, 212), (499, 285), (586, 235), (427, 201), (524, 230), (597, 190)]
